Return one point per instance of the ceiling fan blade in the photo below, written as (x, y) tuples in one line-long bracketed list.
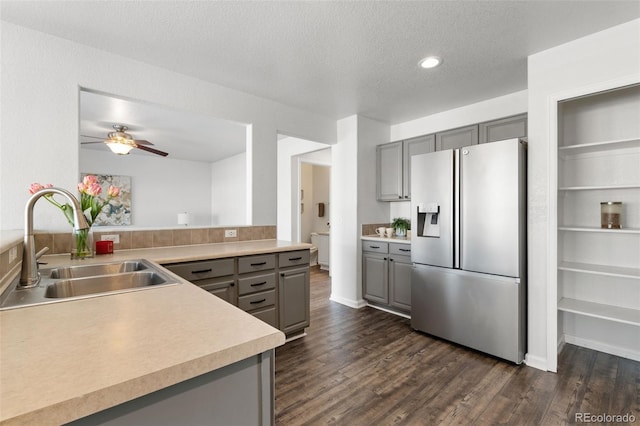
[(154, 151), (88, 142), (142, 142), (92, 137)]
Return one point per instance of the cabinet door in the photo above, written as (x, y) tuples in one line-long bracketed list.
[(400, 282), (457, 138), (414, 146), (505, 128), (294, 299), (375, 278), (224, 288), (389, 172)]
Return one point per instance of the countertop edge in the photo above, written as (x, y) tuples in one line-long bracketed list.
[(403, 240)]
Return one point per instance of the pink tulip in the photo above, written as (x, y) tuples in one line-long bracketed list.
[(35, 187), (113, 191), (89, 180), (82, 188), (94, 189)]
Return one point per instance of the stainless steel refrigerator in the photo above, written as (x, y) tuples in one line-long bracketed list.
[(468, 246)]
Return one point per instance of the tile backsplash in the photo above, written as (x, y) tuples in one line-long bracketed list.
[(58, 243)]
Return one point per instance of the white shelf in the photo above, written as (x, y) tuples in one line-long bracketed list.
[(599, 230), (598, 146), (606, 270), (597, 187), (598, 310)]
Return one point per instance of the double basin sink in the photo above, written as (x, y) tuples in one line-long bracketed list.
[(82, 281)]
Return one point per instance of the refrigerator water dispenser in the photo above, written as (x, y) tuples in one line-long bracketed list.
[(428, 220)]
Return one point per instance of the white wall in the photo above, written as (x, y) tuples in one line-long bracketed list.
[(288, 180), (153, 189), (596, 62), (39, 108), (491, 109), (353, 202), (228, 191)]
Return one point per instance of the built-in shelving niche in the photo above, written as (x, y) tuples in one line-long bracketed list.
[(599, 269)]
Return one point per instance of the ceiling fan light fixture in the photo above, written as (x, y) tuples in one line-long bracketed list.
[(430, 62), (119, 148)]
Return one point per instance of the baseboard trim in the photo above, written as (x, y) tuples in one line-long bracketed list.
[(356, 304), (603, 347), (391, 311), (536, 362)]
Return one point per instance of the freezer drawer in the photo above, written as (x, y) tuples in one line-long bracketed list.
[(481, 311)]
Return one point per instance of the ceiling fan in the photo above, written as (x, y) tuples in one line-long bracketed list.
[(121, 143)]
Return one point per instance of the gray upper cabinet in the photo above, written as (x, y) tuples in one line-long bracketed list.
[(414, 146), (394, 166), (457, 138), (389, 171), (505, 128)]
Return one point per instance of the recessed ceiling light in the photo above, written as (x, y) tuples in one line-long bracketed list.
[(430, 62)]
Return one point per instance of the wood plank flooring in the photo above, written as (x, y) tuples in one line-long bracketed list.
[(368, 367)]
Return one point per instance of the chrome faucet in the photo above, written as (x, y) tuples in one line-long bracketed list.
[(29, 276)]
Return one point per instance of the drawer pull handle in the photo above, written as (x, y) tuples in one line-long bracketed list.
[(259, 264), (405, 249), (255, 302), (201, 271), (257, 284), (374, 246), (295, 258)]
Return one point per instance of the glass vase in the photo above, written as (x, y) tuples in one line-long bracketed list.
[(82, 244)]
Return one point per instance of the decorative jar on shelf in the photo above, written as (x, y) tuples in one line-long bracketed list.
[(611, 214)]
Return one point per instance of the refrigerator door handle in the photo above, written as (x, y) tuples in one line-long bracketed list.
[(455, 230)]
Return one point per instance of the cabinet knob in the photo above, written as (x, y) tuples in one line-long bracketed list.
[(400, 196)]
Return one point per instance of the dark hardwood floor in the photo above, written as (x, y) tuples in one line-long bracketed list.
[(368, 367)]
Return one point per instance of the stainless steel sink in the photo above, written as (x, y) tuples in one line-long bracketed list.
[(102, 284), (84, 281), (93, 270)]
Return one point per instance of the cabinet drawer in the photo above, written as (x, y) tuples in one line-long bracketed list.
[(375, 246), (401, 249), (256, 263), (293, 258), (256, 283), (257, 300), (268, 315), (191, 271)]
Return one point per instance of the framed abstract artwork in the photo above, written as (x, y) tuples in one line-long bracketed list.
[(118, 211)]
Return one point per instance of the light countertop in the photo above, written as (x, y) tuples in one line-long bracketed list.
[(66, 360), (400, 240)]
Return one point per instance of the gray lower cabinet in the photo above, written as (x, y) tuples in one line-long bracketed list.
[(272, 287), (504, 128), (375, 277), (238, 394), (457, 138), (215, 276), (386, 274), (294, 294)]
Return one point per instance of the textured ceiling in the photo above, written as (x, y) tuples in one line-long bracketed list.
[(334, 58)]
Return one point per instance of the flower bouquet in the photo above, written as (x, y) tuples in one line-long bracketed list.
[(91, 205)]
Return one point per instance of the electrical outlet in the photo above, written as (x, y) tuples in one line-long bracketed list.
[(230, 233), (13, 254), (115, 238)]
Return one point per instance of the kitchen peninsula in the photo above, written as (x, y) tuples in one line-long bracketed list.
[(141, 356)]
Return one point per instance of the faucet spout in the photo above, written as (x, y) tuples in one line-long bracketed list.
[(29, 275)]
